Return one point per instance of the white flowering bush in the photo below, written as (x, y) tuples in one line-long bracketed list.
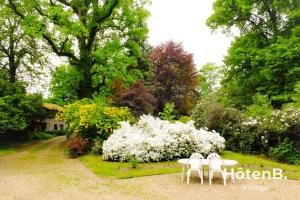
[(153, 139), (260, 133)]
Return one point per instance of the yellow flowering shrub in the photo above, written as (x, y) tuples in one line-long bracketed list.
[(91, 120)]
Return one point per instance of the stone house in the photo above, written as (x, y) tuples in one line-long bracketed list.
[(50, 123)]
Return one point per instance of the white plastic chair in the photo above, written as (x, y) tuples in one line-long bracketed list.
[(213, 155), (216, 164), (195, 164)]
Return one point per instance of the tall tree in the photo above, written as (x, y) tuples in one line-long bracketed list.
[(210, 78), (175, 76), (265, 58), (20, 54), (95, 35)]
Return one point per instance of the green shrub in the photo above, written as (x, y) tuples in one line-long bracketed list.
[(169, 112), (261, 106), (285, 152), (19, 113), (134, 163), (42, 135), (97, 148), (254, 131), (185, 119)]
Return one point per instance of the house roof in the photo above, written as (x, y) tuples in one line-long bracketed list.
[(52, 106)]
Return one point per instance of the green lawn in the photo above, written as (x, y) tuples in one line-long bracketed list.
[(8, 148), (124, 170)]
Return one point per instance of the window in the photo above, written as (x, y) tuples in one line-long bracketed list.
[(55, 127), (61, 127)]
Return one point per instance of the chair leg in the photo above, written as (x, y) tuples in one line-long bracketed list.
[(224, 174), (210, 177), (183, 173), (201, 176), (232, 175)]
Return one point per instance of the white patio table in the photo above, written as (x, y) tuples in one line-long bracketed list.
[(228, 163)]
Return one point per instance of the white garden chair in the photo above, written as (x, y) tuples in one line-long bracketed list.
[(213, 155), (216, 164), (195, 164)]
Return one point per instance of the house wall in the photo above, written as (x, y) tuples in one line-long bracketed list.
[(55, 125)]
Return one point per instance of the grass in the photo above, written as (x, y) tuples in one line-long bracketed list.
[(8, 148), (124, 170)]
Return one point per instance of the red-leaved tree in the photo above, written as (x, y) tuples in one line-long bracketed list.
[(138, 97), (175, 77)]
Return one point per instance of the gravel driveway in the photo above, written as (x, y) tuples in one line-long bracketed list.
[(42, 172)]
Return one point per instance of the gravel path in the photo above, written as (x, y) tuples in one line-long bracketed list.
[(43, 172)]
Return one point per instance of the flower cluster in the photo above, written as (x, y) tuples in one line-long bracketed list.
[(153, 139), (93, 120)]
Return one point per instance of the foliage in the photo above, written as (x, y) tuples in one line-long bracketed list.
[(97, 148), (134, 163), (169, 112), (42, 135), (265, 57), (266, 131), (93, 119), (65, 80), (296, 97), (100, 40), (256, 130), (261, 106), (175, 77), (138, 98), (21, 56), (77, 146), (210, 76), (185, 119), (152, 139), (19, 112), (212, 115), (285, 152)]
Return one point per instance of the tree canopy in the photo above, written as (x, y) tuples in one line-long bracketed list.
[(265, 58), (175, 76), (100, 39), (21, 56)]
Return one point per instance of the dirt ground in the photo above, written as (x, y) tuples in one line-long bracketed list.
[(43, 172)]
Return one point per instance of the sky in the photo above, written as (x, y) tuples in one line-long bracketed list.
[(184, 21)]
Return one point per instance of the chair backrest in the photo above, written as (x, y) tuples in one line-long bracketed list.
[(216, 164), (195, 161), (213, 156), (197, 155)]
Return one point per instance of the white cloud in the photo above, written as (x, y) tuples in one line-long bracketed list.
[(184, 21)]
